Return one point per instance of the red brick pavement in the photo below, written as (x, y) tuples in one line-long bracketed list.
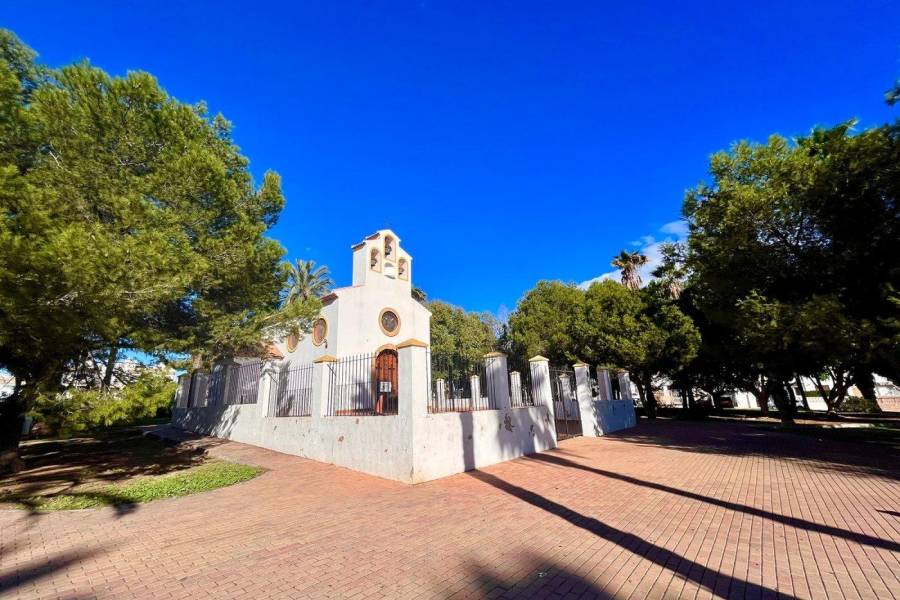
[(691, 510)]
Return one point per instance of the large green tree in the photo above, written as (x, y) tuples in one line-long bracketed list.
[(643, 331), (457, 334), (548, 321), (793, 259), (127, 220)]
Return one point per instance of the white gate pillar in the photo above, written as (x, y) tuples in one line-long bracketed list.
[(540, 387), (625, 386), (497, 384), (590, 427), (413, 385), (604, 383), (321, 385)]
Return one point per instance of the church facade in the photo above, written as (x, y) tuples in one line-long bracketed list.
[(359, 390)]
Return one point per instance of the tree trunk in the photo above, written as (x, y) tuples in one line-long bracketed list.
[(762, 400), (865, 382), (110, 368), (692, 401), (779, 395), (650, 399), (790, 392), (45, 379), (12, 416), (802, 393), (684, 399)]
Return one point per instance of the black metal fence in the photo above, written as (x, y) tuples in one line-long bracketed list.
[(291, 393), (216, 389), (565, 402), (197, 391), (243, 384), (521, 392), (594, 382), (452, 387), (362, 385)]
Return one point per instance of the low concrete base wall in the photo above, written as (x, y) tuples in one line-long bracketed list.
[(449, 443), (606, 416), (375, 445), (437, 445)]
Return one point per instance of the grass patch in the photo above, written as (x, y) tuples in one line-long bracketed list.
[(208, 476)]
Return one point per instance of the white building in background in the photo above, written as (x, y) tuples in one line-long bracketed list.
[(359, 390), (7, 385)]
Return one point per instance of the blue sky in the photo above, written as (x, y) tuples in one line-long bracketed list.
[(505, 142)]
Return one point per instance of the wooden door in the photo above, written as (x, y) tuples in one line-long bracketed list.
[(386, 383)]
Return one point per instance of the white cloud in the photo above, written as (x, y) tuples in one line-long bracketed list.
[(649, 246)]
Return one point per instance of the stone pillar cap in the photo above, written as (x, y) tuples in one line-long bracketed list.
[(325, 358), (538, 358), (494, 355), (412, 343)]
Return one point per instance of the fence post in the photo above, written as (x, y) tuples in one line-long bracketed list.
[(414, 383), (605, 383), (268, 378), (589, 425), (412, 379), (540, 387), (475, 387), (183, 391), (498, 383), (440, 392), (515, 389), (625, 386), (321, 385)]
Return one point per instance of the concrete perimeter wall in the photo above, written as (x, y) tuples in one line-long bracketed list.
[(371, 444), (414, 445), (454, 442)]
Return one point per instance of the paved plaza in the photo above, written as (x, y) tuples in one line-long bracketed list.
[(666, 510)]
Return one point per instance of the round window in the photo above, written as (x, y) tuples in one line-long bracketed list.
[(390, 322), (292, 341), (319, 331)]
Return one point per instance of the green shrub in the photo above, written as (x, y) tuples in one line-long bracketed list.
[(80, 411)]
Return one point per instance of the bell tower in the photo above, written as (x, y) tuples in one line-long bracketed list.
[(380, 260)]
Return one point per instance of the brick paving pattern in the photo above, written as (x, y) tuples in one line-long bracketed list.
[(666, 510)]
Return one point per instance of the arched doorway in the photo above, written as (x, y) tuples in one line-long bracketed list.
[(386, 383)]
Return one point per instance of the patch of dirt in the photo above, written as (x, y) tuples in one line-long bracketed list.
[(60, 465)]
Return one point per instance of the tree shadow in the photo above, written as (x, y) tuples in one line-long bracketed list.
[(795, 522), (819, 449), (83, 467), (724, 585), (37, 569), (546, 579)]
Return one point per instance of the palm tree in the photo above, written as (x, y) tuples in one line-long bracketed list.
[(306, 280), (630, 262)]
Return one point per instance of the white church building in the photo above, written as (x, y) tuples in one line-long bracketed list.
[(360, 390)]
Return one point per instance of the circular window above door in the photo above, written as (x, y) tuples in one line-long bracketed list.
[(319, 331), (389, 322)]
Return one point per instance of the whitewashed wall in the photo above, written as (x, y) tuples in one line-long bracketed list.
[(413, 446)]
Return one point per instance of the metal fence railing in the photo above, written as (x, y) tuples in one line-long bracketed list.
[(460, 385), (363, 385), (199, 385), (243, 383), (182, 392), (216, 389), (290, 394), (521, 393), (565, 402)]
